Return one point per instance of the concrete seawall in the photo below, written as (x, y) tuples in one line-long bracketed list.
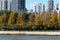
[(30, 33)]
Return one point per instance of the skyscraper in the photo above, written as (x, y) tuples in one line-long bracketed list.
[(39, 8), (0, 4), (5, 5), (9, 5), (18, 5), (59, 6), (50, 5)]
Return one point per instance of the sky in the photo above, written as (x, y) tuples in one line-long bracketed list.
[(31, 3)]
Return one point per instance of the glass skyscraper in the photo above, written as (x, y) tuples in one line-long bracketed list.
[(50, 5), (5, 4), (18, 5)]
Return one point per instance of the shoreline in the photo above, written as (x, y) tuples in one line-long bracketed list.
[(30, 33)]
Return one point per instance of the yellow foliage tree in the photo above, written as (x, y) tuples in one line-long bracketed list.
[(37, 19), (11, 18), (53, 19), (58, 20)]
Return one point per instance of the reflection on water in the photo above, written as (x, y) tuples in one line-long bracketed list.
[(19, 37)]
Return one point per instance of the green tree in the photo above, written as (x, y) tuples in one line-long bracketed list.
[(25, 18), (5, 11)]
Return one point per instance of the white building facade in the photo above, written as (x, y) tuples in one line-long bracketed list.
[(9, 4), (59, 6), (5, 5), (39, 8)]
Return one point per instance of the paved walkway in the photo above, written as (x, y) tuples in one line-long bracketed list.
[(30, 33)]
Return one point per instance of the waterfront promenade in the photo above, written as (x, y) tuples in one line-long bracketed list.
[(30, 33)]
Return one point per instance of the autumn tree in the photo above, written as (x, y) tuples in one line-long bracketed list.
[(1, 20), (53, 19), (45, 19), (30, 19), (4, 19), (58, 20), (11, 18), (20, 19), (37, 20)]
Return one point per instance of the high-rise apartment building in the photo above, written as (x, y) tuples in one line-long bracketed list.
[(59, 6), (5, 4), (50, 5), (9, 5), (18, 5), (0, 4), (12, 5), (39, 8)]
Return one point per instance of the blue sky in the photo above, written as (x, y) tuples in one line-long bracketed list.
[(31, 3)]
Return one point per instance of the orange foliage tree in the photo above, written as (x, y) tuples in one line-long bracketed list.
[(30, 19), (45, 18), (20, 19), (5, 19)]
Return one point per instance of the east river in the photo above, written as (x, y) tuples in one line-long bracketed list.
[(24, 37)]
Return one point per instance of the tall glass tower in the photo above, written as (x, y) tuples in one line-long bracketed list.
[(5, 4), (18, 5), (50, 5)]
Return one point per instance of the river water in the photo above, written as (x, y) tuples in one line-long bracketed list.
[(20, 37)]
